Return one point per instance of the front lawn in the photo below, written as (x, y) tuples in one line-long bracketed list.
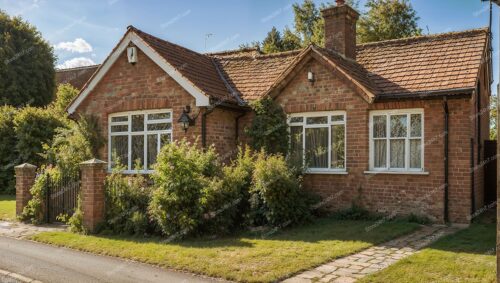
[(7, 207), (467, 256), (253, 258)]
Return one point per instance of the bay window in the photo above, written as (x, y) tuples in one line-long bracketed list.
[(135, 138), (318, 140), (396, 140)]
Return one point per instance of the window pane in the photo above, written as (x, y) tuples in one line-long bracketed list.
[(296, 143), (119, 119), (137, 123), (164, 139), (338, 147), (317, 120), (159, 127), (397, 153), (119, 128), (379, 126), (317, 147), (380, 153), (159, 116), (398, 126), (138, 152), (296, 120), (415, 153), (416, 125), (152, 150), (337, 118), (119, 151)]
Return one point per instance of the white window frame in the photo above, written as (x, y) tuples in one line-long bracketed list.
[(328, 125), (144, 133), (388, 138)]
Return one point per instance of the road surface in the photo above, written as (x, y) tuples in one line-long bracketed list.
[(52, 264)]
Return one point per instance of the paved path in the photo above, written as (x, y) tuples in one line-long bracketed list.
[(20, 230), (349, 269), (52, 264)]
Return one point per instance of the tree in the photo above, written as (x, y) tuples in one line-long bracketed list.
[(493, 117), (306, 17), (385, 19), (27, 75), (290, 40), (273, 42), (388, 19), (65, 94)]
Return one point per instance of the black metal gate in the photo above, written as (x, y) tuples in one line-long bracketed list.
[(62, 196), (490, 172)]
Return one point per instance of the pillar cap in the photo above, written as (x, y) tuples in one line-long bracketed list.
[(25, 165), (93, 161)]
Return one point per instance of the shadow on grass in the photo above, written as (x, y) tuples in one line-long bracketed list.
[(323, 229), (479, 238)]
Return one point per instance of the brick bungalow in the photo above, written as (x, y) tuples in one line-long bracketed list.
[(397, 125)]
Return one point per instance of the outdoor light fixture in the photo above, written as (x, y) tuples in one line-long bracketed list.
[(132, 54), (185, 120), (310, 76)]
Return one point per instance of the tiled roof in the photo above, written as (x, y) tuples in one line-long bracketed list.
[(426, 63), (77, 77), (403, 67), (252, 76), (198, 68)]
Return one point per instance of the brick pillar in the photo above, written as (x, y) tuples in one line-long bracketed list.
[(25, 178), (93, 177)]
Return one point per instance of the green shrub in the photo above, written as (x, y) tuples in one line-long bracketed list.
[(277, 194), (419, 219), (127, 199), (34, 127), (355, 212), (269, 129), (75, 222), (8, 157), (181, 173), (72, 145)]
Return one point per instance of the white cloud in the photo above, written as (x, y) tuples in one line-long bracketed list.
[(79, 46), (76, 62)]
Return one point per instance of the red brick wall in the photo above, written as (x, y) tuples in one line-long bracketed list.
[(144, 85), (402, 194)]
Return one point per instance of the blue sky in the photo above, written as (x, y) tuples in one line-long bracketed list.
[(84, 32)]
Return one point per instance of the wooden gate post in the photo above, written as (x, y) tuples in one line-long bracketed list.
[(25, 178), (93, 178)]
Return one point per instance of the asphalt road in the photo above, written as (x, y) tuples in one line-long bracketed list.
[(52, 264)]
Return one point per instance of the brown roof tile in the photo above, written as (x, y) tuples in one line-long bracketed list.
[(198, 68), (77, 77), (253, 75), (426, 63)]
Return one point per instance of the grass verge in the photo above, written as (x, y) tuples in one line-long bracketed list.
[(467, 256), (247, 257), (7, 207)]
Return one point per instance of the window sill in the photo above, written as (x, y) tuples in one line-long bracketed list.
[(327, 172), (398, 172)]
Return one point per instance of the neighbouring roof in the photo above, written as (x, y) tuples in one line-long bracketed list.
[(77, 77), (399, 68)]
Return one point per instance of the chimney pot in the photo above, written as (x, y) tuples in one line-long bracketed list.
[(340, 2)]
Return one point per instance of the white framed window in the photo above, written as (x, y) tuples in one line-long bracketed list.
[(397, 140), (319, 140), (135, 138)]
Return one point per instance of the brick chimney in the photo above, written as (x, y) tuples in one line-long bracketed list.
[(340, 29)]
